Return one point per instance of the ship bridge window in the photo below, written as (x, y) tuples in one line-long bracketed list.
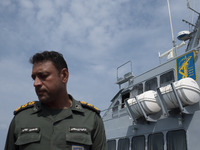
[(137, 89), (151, 84), (156, 141), (111, 144), (115, 109), (123, 144), (176, 140), (138, 143), (124, 97), (167, 78)]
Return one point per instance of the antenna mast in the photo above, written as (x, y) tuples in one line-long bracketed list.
[(173, 39), (188, 5)]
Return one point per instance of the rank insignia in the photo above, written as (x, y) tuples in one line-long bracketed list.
[(84, 104), (25, 106)]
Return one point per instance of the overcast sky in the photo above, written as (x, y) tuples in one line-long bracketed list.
[(95, 37)]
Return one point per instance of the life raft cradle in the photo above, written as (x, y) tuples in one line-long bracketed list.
[(164, 112)]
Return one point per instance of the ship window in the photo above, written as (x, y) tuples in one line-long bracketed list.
[(111, 144), (123, 144), (156, 142), (124, 97), (115, 107), (151, 84), (137, 89), (167, 78), (138, 143), (176, 140)]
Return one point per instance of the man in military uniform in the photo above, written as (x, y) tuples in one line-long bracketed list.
[(57, 121)]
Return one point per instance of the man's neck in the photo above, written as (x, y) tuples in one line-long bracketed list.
[(63, 102)]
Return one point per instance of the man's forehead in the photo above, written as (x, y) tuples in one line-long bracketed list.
[(43, 66), (43, 63)]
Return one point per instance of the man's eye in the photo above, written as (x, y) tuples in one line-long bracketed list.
[(40, 76), (33, 77), (43, 77)]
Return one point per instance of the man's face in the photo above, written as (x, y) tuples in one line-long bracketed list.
[(47, 81)]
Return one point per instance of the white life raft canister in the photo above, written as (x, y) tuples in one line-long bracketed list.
[(147, 101), (187, 89)]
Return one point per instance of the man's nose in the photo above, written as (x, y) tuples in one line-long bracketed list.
[(37, 82)]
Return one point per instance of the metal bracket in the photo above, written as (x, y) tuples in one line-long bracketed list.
[(148, 118), (181, 107), (162, 104), (131, 113)]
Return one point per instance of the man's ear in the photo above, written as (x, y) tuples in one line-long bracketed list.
[(64, 74)]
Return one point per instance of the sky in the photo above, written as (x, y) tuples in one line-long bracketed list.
[(94, 36)]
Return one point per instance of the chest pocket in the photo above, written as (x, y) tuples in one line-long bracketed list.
[(78, 141), (28, 138)]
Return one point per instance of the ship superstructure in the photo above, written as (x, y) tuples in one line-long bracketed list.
[(159, 109)]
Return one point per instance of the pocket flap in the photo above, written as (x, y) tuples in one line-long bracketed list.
[(28, 138), (81, 138)]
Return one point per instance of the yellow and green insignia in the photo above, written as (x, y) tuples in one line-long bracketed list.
[(77, 147), (23, 107), (84, 104)]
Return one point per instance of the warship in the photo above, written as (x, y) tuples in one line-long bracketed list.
[(159, 109)]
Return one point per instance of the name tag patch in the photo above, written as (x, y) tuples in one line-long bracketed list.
[(75, 147), (79, 129), (30, 130)]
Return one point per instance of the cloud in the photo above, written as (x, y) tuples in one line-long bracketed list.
[(95, 37)]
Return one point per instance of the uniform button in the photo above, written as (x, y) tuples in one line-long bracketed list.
[(77, 106)]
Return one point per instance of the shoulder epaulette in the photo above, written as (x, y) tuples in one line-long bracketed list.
[(23, 107), (84, 104)]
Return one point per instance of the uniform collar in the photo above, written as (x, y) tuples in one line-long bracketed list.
[(76, 106), (37, 107)]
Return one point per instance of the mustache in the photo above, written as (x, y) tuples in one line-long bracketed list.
[(38, 90)]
